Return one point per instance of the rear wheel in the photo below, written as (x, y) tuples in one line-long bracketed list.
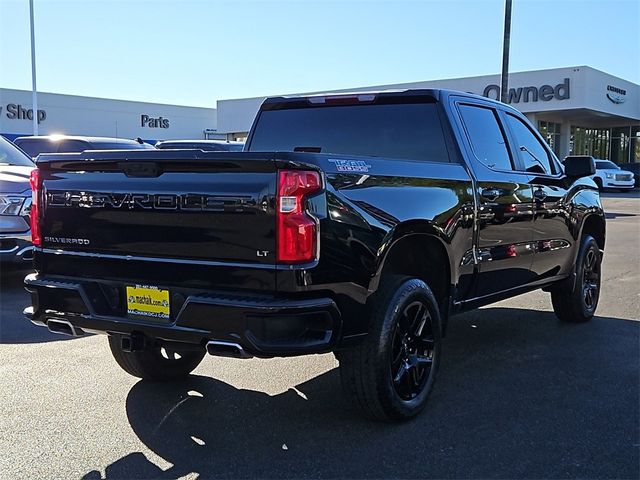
[(576, 298), (155, 362), (391, 373)]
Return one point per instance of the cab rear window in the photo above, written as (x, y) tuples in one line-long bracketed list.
[(404, 131)]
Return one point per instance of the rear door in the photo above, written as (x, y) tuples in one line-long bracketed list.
[(505, 210)]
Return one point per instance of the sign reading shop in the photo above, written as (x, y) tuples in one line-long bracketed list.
[(531, 94), (15, 111)]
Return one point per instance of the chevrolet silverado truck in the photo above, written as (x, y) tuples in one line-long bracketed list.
[(356, 224)]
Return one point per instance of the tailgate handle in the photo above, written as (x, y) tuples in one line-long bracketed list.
[(140, 169)]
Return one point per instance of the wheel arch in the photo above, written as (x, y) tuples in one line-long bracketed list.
[(415, 249), (595, 226)]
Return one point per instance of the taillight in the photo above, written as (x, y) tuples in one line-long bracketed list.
[(297, 230), (36, 207)]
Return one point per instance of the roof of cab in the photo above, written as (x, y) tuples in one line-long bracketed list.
[(435, 94)]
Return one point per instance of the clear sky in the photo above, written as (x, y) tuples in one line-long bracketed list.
[(196, 52)]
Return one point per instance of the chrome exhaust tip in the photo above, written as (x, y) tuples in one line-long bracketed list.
[(220, 348), (56, 325)]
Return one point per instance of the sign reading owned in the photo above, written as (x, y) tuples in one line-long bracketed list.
[(531, 94)]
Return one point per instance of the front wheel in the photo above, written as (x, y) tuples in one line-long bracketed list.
[(576, 298), (155, 362), (391, 373)]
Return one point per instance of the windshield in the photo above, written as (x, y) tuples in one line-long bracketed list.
[(11, 155), (606, 164), (403, 131)]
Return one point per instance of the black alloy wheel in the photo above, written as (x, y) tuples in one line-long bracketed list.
[(412, 351), (591, 279), (390, 374), (575, 299)]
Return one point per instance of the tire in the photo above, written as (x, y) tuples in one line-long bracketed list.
[(575, 299), (151, 364), (391, 373)]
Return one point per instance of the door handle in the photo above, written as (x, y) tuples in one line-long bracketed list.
[(539, 195), (491, 193)]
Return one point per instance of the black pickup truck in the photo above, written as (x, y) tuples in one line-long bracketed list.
[(356, 224)]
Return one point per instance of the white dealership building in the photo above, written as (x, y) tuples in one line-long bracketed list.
[(75, 115), (579, 110)]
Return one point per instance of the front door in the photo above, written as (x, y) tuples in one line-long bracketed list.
[(552, 223)]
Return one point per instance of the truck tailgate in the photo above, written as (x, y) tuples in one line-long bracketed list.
[(176, 207)]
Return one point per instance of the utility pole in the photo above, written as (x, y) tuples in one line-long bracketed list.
[(34, 91), (504, 79)]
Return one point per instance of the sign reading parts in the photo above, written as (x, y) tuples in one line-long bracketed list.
[(151, 122)]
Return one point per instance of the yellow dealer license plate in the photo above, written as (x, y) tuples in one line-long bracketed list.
[(151, 303)]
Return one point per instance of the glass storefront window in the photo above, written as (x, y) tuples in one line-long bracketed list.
[(620, 145), (590, 141), (550, 131)]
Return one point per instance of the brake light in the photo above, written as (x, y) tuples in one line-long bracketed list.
[(297, 230), (343, 99), (36, 207)]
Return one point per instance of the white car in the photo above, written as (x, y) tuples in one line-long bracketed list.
[(611, 176)]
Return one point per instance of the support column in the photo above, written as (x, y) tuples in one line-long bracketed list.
[(565, 139)]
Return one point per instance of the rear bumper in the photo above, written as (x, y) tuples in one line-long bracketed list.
[(262, 325)]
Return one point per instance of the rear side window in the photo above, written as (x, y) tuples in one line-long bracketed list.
[(487, 140), (535, 157), (406, 131)]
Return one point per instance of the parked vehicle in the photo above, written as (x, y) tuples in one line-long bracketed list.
[(210, 145), (635, 169), (15, 203), (35, 145), (611, 176), (356, 224)]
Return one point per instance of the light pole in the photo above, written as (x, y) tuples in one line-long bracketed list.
[(504, 79), (34, 92)]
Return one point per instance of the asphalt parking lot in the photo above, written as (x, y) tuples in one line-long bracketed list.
[(519, 395)]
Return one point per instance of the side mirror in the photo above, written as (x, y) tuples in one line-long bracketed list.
[(577, 166)]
